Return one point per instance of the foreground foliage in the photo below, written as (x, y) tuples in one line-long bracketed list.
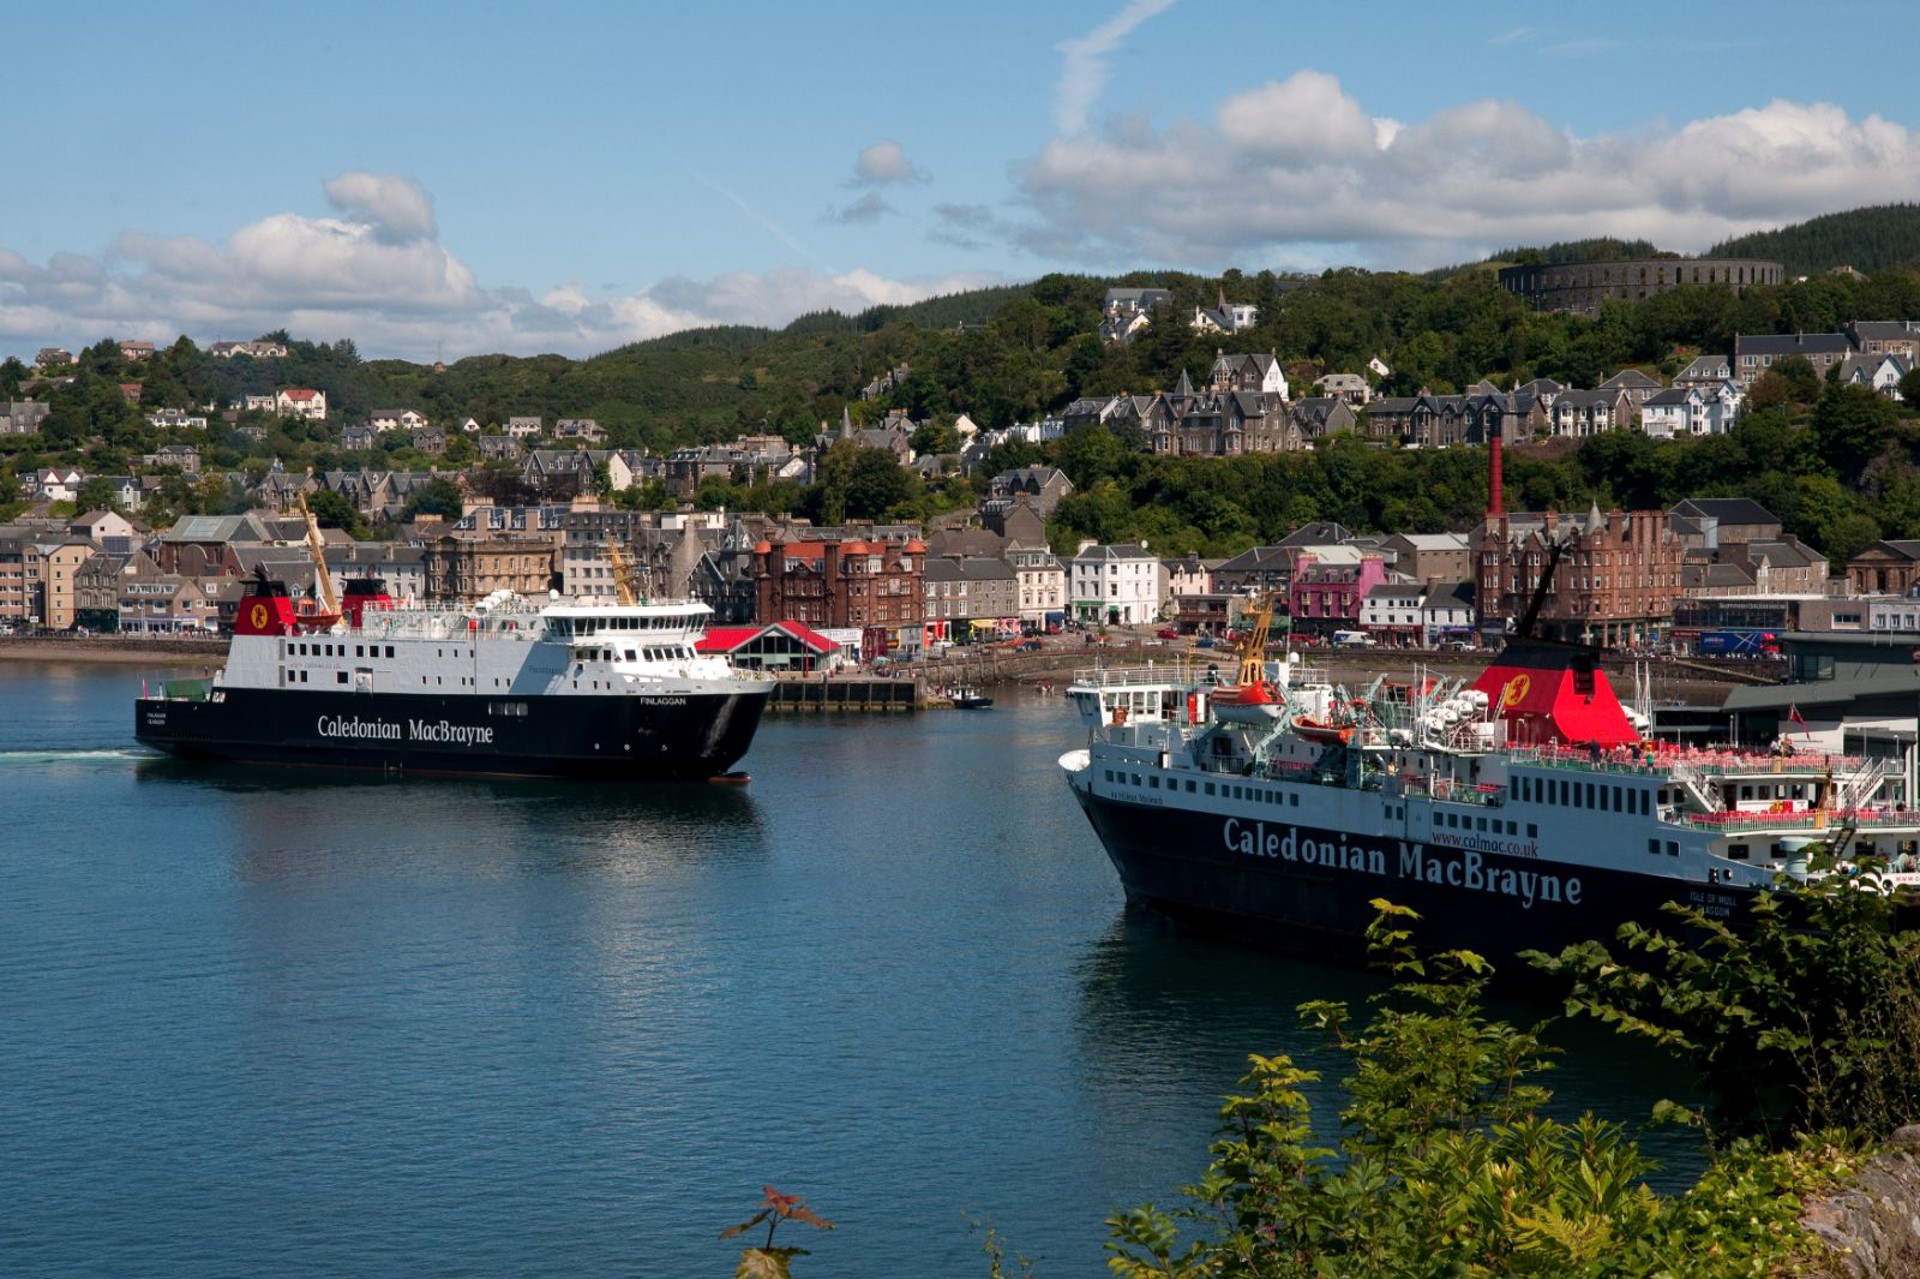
[(1805, 1018), (764, 1260), (1446, 1165)]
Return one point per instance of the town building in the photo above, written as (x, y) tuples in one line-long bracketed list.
[(1041, 580), (468, 569), (1615, 581), (1122, 585), (1424, 557), (829, 581), (1754, 354), (1328, 586)]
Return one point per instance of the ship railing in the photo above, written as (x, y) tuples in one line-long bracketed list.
[(1802, 818), (1176, 673), (1697, 764), (1723, 763)]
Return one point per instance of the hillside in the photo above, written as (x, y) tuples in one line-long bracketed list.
[(1871, 239)]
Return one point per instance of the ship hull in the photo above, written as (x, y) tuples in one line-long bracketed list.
[(681, 737), (1304, 889)]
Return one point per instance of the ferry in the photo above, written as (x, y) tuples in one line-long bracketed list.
[(505, 688), (1526, 809)]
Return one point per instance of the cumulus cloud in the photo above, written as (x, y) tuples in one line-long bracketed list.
[(1083, 74), (379, 275), (883, 162), (395, 207), (1298, 172)]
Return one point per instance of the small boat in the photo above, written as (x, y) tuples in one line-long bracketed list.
[(1307, 728), (965, 697)]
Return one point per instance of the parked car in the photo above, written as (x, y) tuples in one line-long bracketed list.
[(1030, 646), (1167, 632)]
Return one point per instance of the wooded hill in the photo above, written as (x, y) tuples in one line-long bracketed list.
[(1870, 240)]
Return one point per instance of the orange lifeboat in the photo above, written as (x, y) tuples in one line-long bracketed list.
[(1307, 728)]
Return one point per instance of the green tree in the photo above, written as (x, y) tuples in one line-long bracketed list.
[(333, 510), (439, 496), (1853, 425)]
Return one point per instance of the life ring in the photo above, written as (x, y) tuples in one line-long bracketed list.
[(1119, 715)]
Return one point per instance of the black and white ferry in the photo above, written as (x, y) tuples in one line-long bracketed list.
[(590, 690), (1525, 809)]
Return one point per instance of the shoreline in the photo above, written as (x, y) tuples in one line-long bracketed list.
[(114, 650)]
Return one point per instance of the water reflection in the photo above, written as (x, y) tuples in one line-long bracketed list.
[(1165, 1015), (288, 823)]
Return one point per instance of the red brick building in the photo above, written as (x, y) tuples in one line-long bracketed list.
[(835, 583), (1615, 584)]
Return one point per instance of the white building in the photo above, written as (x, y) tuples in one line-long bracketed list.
[(1041, 581), (1122, 585), (303, 402), (1690, 411)]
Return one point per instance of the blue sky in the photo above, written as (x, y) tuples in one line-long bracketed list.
[(497, 177)]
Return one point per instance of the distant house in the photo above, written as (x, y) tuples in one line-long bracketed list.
[(1638, 386), (523, 428), (1318, 416), (1040, 487), (1124, 314), (176, 420), (431, 440), (184, 456), (1886, 337), (1227, 317), (496, 448), (130, 391), (52, 357), (259, 349), (259, 403), (1755, 354), (1879, 373), (1350, 387), (136, 350), (22, 417), (1692, 410), (578, 428), (396, 420), (358, 439), (301, 402), (1705, 370)]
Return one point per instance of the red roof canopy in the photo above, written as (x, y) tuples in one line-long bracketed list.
[(730, 639)]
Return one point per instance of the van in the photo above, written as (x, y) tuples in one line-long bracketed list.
[(1352, 639)]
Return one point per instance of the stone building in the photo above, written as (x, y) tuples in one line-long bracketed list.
[(838, 582), (1586, 287), (1615, 583), (467, 569)]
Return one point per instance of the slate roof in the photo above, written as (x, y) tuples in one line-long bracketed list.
[(1728, 510)]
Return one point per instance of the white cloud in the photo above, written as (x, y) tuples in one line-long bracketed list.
[(380, 277), (1083, 75), (1297, 172), (885, 161), (395, 207)]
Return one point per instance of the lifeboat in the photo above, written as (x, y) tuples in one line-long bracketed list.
[(1249, 704), (310, 614), (1307, 728)]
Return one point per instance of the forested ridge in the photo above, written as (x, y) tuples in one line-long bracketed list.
[(1839, 469)]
